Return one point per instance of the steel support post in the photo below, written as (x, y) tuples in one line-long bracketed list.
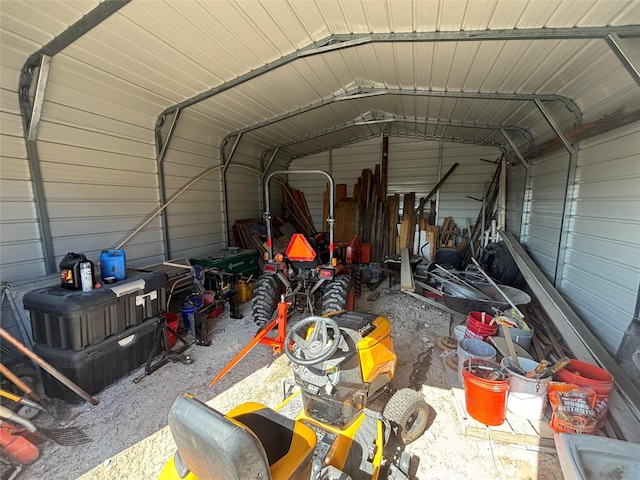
[(31, 115), (225, 198), (565, 224), (162, 144)]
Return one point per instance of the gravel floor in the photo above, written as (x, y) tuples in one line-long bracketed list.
[(131, 440)]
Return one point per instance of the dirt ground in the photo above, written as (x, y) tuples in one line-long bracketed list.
[(131, 439)]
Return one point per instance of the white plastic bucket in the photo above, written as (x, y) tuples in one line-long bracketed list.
[(527, 396), (473, 348)]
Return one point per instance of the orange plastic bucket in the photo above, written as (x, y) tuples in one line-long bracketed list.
[(486, 400), (478, 326), (586, 374)]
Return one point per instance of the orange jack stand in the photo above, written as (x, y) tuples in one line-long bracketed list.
[(276, 343)]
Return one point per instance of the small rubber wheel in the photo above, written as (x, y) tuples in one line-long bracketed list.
[(409, 413)]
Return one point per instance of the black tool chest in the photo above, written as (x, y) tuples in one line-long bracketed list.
[(73, 319), (96, 337), (101, 364)]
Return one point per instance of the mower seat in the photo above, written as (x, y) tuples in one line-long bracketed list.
[(250, 442)]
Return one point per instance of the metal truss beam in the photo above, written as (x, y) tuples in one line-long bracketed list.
[(400, 135), (624, 55), (365, 121), (370, 92)]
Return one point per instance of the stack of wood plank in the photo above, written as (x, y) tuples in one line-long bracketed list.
[(249, 234), (297, 209), (363, 214), (252, 234)]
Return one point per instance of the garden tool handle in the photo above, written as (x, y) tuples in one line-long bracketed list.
[(510, 347), (21, 400), (15, 418)]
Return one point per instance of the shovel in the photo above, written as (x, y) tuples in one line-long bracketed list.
[(62, 436)]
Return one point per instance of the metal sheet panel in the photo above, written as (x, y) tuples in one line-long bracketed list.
[(20, 246), (544, 204), (413, 166), (516, 177), (467, 180), (602, 267), (195, 218)]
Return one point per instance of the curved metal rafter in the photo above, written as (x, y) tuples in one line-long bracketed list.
[(343, 41), (373, 120), (339, 42), (369, 92), (362, 138)]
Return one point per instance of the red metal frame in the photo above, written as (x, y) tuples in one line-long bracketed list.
[(276, 343)]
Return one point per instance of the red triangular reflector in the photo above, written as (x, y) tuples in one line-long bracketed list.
[(299, 249)]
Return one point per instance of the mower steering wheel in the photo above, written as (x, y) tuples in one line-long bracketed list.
[(318, 347)]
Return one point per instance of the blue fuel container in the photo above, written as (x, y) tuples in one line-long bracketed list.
[(113, 263)]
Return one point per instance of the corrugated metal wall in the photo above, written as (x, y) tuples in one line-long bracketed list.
[(601, 271), (98, 183), (244, 184), (467, 180), (195, 219), (516, 178), (544, 204), (19, 234)]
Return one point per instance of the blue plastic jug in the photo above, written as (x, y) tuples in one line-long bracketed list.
[(113, 263)]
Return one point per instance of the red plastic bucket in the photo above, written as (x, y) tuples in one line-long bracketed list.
[(587, 374), (478, 326), (208, 297), (486, 400), (173, 320)]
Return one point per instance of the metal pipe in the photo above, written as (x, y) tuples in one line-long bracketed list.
[(267, 212), (49, 368), (169, 202)]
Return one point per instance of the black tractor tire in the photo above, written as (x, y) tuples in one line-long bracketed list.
[(265, 299), (408, 413), (336, 294)]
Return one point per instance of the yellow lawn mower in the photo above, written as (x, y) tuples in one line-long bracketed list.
[(324, 431)]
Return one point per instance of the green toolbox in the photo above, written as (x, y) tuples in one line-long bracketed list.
[(232, 260)]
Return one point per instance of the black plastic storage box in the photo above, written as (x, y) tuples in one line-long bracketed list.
[(73, 319), (99, 365)]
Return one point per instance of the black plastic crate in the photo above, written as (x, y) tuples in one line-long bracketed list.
[(99, 365), (73, 319)]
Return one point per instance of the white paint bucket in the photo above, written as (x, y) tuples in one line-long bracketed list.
[(527, 396)]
